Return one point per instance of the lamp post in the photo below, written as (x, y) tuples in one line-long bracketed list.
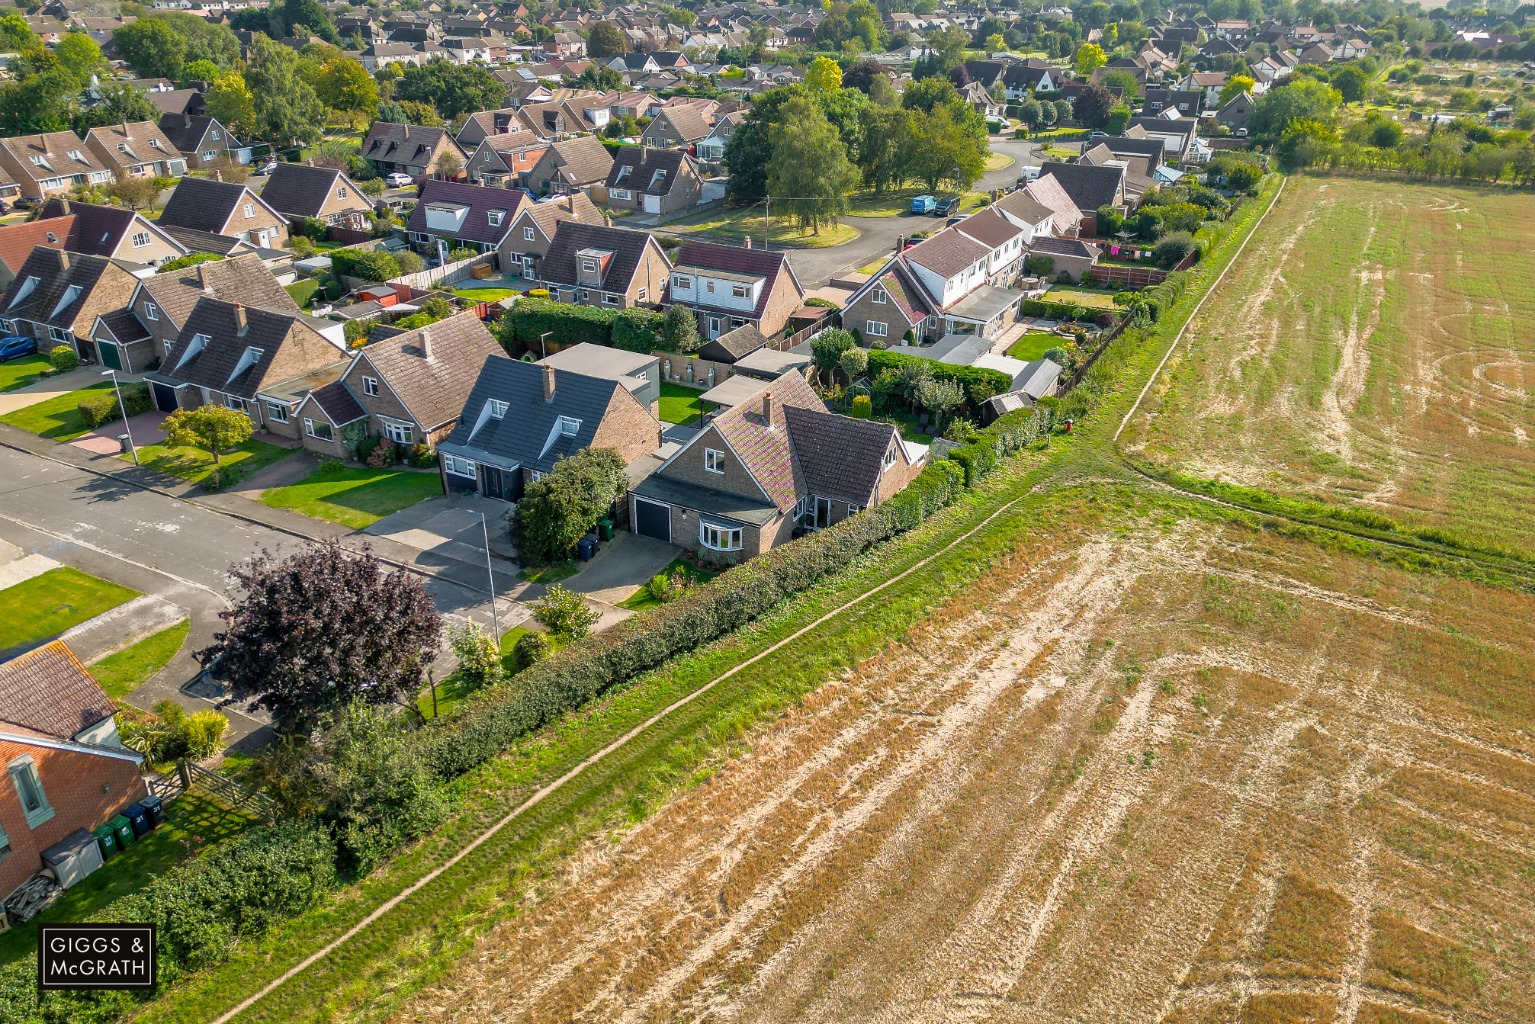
[(490, 576), (543, 343), (118, 388)]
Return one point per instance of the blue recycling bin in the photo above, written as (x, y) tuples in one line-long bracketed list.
[(586, 547), (154, 809), (138, 819)]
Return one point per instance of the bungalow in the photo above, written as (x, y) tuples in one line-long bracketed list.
[(300, 192), (90, 230), (203, 141), (57, 296), (573, 165), (521, 418), (768, 468), (225, 208), (463, 216), (534, 226), (728, 287), (676, 128), (53, 162), (654, 181), (712, 148), (604, 266), (409, 387), (408, 148), (137, 150), (68, 769)]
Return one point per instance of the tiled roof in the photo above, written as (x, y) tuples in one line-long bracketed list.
[(643, 169), (763, 445), (1047, 191), (738, 259), (57, 272), (144, 140), (839, 457), (583, 160), (989, 228), (48, 691), (689, 123), (203, 204), (186, 131), (550, 213), (733, 345), (298, 190), (222, 363), (404, 143), (434, 380), (177, 101), (947, 253), (1051, 246), (1089, 187), (18, 240), (628, 248), (55, 148), (124, 325), (482, 200), (338, 404)]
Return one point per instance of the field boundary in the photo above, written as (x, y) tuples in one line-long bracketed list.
[(550, 788), (1199, 306)]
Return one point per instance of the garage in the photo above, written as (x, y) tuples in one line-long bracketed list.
[(164, 395), (653, 519)]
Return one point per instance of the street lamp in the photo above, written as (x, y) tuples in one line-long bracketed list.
[(495, 620), (117, 387), (543, 343)]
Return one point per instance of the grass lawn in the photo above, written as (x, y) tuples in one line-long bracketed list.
[(549, 573), (193, 823), (734, 224), (452, 691), (58, 418), (997, 161), (897, 203), (121, 673), (18, 373), (194, 464), (642, 599), (679, 403), (906, 423), (45, 606), (354, 497), (1033, 345), (1081, 296), (490, 294), (302, 291), (874, 265)]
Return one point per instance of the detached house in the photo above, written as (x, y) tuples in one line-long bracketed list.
[(202, 140), (603, 266), (712, 148), (300, 192), (502, 160), (66, 768), (676, 128), (54, 162), (410, 387), (774, 465), (521, 418), (534, 226), (57, 296), (728, 287), (573, 165), (407, 148), (87, 229), (138, 150), (654, 181), (463, 216), (225, 208)]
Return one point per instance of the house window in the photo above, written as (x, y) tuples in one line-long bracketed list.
[(876, 329), (620, 193), (709, 287), (536, 475), (714, 461), (151, 311), (642, 295), (341, 192), (719, 538), (589, 266), (877, 296), (497, 408), (685, 283), (214, 135), (738, 291), (495, 216), (890, 457), (320, 431), (527, 234), (610, 299), (237, 404), (714, 326), (140, 239), (8, 326), (370, 386), (29, 787), (458, 466), (569, 426), (277, 412), (399, 433), (60, 335), (250, 210)]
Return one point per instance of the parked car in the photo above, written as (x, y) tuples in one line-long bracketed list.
[(27, 202), (5, 207), (398, 179), (1241, 133), (923, 204), (1028, 175), (266, 168), (15, 346), (946, 207), (914, 239)]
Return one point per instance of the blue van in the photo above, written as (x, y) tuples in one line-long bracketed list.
[(923, 204)]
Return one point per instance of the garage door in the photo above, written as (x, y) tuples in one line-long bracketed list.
[(110, 356), (653, 519), (165, 397)]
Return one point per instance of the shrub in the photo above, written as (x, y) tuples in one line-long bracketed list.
[(191, 260), (640, 330), (668, 586), (479, 660), (366, 266), (538, 293), (530, 649), (1173, 248), (863, 407), (564, 506), (170, 734), (63, 358), (965, 376), (528, 320), (355, 440), (383, 454), (410, 262), (421, 455), (564, 613), (454, 255), (103, 408)]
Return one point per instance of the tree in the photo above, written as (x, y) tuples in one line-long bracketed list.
[(564, 506), (120, 104), (884, 160), (607, 40), (565, 614), (135, 193), (597, 77), (679, 330), (201, 70), (1172, 249), (940, 396), (824, 75), (749, 149), (809, 168), (152, 48), (1089, 58), (287, 111), (213, 428), (1093, 107), (861, 76), (827, 349), (1294, 100), (78, 54), (1030, 113), (229, 100), (854, 363), (344, 84), (1386, 135), (1119, 78), (325, 626), (453, 89), (1351, 83), (1234, 87), (448, 164), (944, 147), (16, 36)]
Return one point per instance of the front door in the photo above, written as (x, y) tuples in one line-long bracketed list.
[(111, 356), (822, 513)]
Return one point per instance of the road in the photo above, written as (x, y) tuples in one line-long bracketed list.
[(878, 235), (159, 545)]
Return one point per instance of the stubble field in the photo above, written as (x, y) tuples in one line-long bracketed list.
[(1373, 346), (1171, 770)]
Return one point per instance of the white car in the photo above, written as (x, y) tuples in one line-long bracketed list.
[(398, 180)]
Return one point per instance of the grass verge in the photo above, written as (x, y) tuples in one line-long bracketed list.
[(354, 497), (58, 418), (39, 609), (121, 673), (18, 373), (642, 598), (195, 465)]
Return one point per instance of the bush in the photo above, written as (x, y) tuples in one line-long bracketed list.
[(377, 452), (454, 255), (421, 455), (170, 734), (63, 358), (191, 260), (967, 377), (863, 407), (410, 262), (530, 649), (640, 330), (1173, 248), (669, 586), (366, 266), (564, 613), (103, 408), (479, 660)]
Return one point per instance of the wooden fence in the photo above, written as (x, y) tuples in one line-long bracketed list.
[(226, 789)]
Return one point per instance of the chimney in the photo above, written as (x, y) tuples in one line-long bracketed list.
[(63, 260), (218, 175), (767, 408), (548, 383), (63, 207), (186, 120), (239, 318), (426, 343), (746, 241)]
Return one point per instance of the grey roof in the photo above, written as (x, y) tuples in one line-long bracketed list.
[(583, 160), (480, 199), (1088, 186), (186, 131), (224, 363), (202, 204), (434, 379), (1036, 379), (1052, 246), (338, 404), (840, 457), (243, 278), (404, 143), (628, 248), (768, 364), (599, 360), (733, 345), (298, 190), (643, 169), (985, 302), (738, 507), (529, 433)]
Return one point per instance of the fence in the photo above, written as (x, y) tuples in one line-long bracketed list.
[(1130, 277), (228, 790), (1103, 343), (348, 236), (447, 274), (806, 333)]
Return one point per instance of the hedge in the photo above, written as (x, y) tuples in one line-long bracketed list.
[(1048, 310), (102, 408), (636, 330), (968, 377), (367, 266)]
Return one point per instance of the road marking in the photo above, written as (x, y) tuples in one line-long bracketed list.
[(1198, 306), (539, 796), (87, 545)]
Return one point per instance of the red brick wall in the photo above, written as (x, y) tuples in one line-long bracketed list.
[(73, 783)]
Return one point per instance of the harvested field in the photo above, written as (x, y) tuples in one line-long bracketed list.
[(1183, 772), (1372, 346)]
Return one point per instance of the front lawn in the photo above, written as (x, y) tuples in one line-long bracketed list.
[(1033, 345), (193, 823), (18, 373), (734, 224), (550, 573), (194, 465), (997, 161), (42, 607), (355, 497), (121, 673), (58, 418), (642, 599), (679, 403)]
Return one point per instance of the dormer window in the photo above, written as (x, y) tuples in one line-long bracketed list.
[(75, 154), (495, 217), (738, 291), (214, 135), (569, 426), (496, 408), (685, 283)]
